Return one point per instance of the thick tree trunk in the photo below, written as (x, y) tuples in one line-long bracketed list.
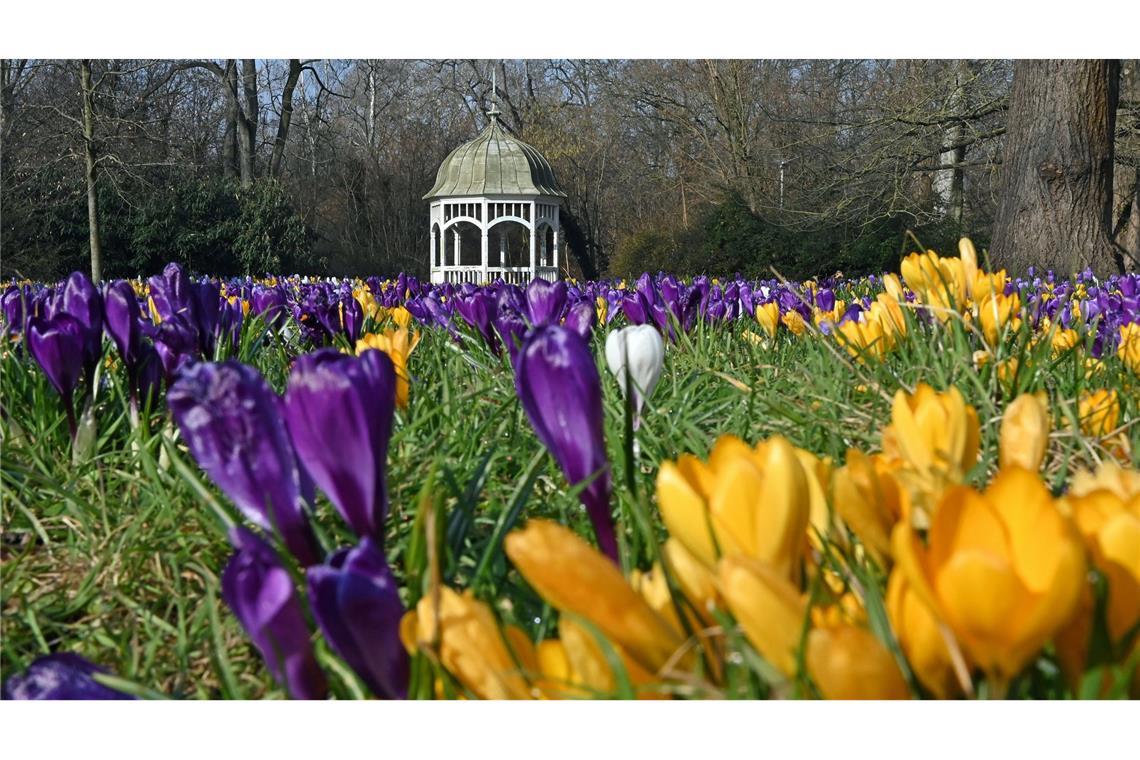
[(229, 141), (90, 169), (1055, 209), (276, 162), (247, 120)]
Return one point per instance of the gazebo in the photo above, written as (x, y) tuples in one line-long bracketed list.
[(495, 211)]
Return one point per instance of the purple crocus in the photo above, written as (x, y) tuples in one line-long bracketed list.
[(581, 318), (558, 384), (233, 426), (13, 309), (62, 675), (207, 305), (170, 292), (357, 606), (269, 304), (123, 320), (476, 309), (545, 301), (57, 346), (176, 340), (261, 594), (338, 409), (80, 299)]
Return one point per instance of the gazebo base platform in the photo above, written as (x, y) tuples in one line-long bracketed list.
[(477, 275)]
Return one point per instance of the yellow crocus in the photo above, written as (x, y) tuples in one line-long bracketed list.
[(602, 307), (1064, 341), (401, 316), (368, 304), (1110, 527), (771, 611), (998, 313), (863, 337), (848, 662), (1109, 476), (869, 499), (1003, 569), (1099, 412), (576, 578), (887, 311), (937, 433), (920, 638), (1024, 434), (768, 315), (893, 286), (467, 639), (939, 283), (398, 344), (794, 322), (969, 258), (754, 502), (1129, 349)]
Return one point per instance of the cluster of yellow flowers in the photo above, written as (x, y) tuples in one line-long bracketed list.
[(794, 549), (948, 288), (397, 342)]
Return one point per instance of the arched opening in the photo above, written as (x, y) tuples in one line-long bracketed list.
[(508, 245), (546, 246), (436, 250), (462, 245)]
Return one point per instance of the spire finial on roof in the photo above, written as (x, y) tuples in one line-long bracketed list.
[(494, 111)]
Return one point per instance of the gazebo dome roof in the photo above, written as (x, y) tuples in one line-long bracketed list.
[(494, 163)]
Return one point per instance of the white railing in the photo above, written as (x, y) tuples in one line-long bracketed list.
[(474, 274)]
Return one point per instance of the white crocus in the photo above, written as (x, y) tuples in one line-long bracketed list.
[(641, 346)]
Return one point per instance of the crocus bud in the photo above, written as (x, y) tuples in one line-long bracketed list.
[(768, 607), (581, 318), (1024, 434), (768, 315), (920, 638), (869, 499), (170, 292), (81, 300), (558, 384), (640, 349), (545, 301), (339, 410), (477, 310), (260, 592), (848, 662), (357, 606), (57, 346), (62, 675), (571, 575), (123, 320), (233, 426), (13, 310), (466, 636)]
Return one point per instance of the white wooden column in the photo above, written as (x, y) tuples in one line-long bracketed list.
[(533, 269), (483, 226), (433, 225), (455, 247), (558, 231)]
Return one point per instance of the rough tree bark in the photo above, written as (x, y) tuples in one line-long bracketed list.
[(247, 120), (90, 168), (1055, 209), (276, 162), (229, 142)]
